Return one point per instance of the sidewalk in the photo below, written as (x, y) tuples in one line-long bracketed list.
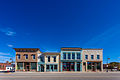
[(68, 72)]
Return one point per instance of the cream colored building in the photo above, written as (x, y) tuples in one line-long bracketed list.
[(92, 60), (52, 62)]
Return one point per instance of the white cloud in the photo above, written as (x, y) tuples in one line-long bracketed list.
[(2, 53), (9, 45), (8, 31)]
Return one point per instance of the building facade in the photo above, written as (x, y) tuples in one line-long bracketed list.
[(26, 59), (52, 62), (69, 59), (41, 63), (92, 60)]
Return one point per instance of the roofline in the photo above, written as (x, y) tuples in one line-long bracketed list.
[(92, 48), (25, 48), (51, 53)]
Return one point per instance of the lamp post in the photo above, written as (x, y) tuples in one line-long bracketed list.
[(119, 64), (107, 63)]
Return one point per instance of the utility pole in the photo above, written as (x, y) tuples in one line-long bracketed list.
[(107, 63)]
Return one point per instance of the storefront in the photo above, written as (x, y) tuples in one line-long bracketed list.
[(26, 66), (71, 65), (51, 67)]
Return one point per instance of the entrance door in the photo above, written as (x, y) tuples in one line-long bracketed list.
[(42, 68), (28, 68), (51, 67)]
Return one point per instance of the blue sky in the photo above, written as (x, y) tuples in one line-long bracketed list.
[(52, 24)]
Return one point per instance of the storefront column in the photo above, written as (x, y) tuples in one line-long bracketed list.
[(39, 68), (61, 66), (30, 66), (75, 66), (50, 68), (96, 67), (91, 66), (66, 55), (71, 55), (53, 67), (81, 66), (45, 68), (23, 66), (101, 66), (75, 56), (86, 66), (16, 66)]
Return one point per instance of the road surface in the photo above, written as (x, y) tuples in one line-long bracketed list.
[(59, 76)]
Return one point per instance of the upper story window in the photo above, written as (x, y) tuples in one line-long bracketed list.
[(64, 55), (26, 56), (18, 56), (33, 56), (73, 55), (42, 58), (98, 56), (54, 58), (92, 56), (78, 56), (69, 56), (48, 58), (86, 56)]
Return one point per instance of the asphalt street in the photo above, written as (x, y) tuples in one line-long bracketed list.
[(59, 76)]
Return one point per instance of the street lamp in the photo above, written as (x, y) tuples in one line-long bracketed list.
[(119, 64), (107, 63)]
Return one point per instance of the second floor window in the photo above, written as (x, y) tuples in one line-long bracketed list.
[(78, 55), (86, 56), (54, 57), (98, 56), (73, 55), (48, 58), (69, 56), (41, 58), (18, 56), (64, 55), (33, 56), (26, 56), (92, 56)]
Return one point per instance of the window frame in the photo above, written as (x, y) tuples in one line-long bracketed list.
[(18, 56), (78, 56), (48, 58), (64, 55), (69, 55), (33, 56), (26, 55), (86, 57), (72, 55), (97, 56), (92, 56), (54, 59)]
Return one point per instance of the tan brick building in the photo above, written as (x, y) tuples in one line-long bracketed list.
[(26, 59)]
